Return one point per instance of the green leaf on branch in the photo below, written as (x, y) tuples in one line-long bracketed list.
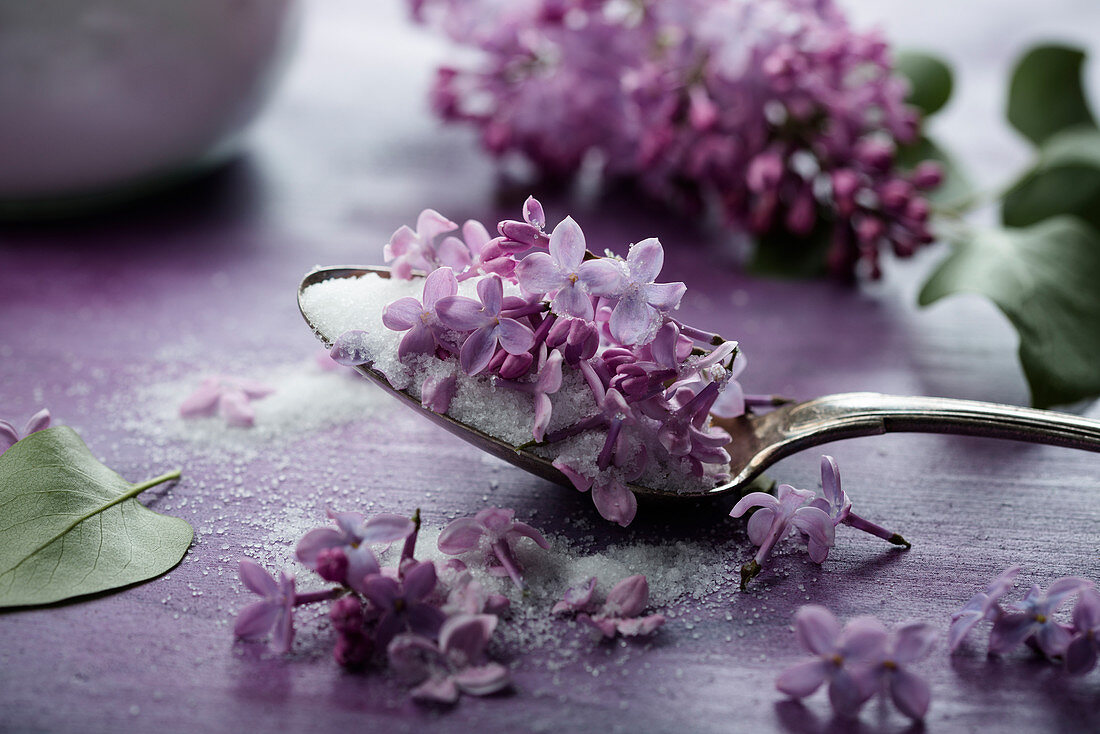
[(70, 526), (1045, 95), (1066, 180), (1045, 279), (956, 189), (930, 81)]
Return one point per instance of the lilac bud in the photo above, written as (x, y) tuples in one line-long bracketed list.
[(917, 210), (927, 175), (533, 213), (332, 565), (869, 230), (764, 172), (895, 194), (801, 215), (516, 365), (702, 112), (845, 185), (346, 614), (876, 154), (353, 649), (558, 333), (520, 232)]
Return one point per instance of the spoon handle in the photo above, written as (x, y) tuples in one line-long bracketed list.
[(861, 414)]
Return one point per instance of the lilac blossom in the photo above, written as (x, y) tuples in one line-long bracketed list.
[(778, 112), (418, 318), (565, 276), (9, 436), (275, 610), (485, 322), (910, 693), (641, 303), (576, 598), (323, 548), (456, 665), (774, 521), (469, 596), (1083, 649), (408, 250), (621, 613), (841, 657), (982, 606), (496, 531), (402, 605), (229, 397), (838, 507), (1033, 618)]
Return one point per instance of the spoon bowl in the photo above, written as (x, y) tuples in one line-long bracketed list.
[(759, 440)]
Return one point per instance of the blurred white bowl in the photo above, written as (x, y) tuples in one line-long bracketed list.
[(98, 95)]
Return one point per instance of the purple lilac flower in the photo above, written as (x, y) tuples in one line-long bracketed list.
[(577, 598), (778, 110), (275, 610), (982, 606), (402, 604), (469, 596), (485, 322), (841, 658), (230, 397), (322, 548), (910, 693), (1084, 647), (563, 274), (774, 520), (456, 665), (641, 303), (621, 611), (838, 507), (8, 435), (418, 318), (408, 250), (496, 530), (1034, 619)]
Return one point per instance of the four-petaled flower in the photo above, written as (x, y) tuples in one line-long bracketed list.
[(350, 540), (641, 302), (495, 529), (564, 273), (1035, 618), (909, 692), (456, 665), (982, 606), (418, 318), (1082, 651), (407, 249), (230, 397), (774, 520), (621, 609), (275, 611), (9, 436), (402, 603), (488, 327)]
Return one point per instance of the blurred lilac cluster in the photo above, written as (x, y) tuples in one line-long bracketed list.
[(775, 112), (604, 317)]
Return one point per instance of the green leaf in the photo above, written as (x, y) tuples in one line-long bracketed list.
[(930, 81), (70, 526), (956, 188), (1045, 279), (1045, 95), (1066, 180)]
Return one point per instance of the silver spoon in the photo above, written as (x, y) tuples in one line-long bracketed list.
[(760, 440)]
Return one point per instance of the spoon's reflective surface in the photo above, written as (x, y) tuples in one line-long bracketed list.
[(760, 440)]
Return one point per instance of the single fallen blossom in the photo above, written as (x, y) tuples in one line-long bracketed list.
[(469, 596), (836, 504), (496, 531), (577, 598), (1084, 648), (342, 554), (402, 603), (621, 612), (910, 693), (982, 606), (229, 397), (275, 610), (456, 665), (1033, 619), (775, 519), (9, 436), (842, 657)]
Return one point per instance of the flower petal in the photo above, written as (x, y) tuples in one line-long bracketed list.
[(1009, 631), (424, 619), (476, 235), (960, 628), (315, 541), (430, 224), (602, 277), (386, 528), (381, 590), (350, 349), (283, 636), (571, 300), (816, 629), (8, 435), (533, 212), (580, 481), (256, 620), (913, 642), (477, 351), (1081, 655), (632, 320), (439, 284), (615, 502), (234, 407), (453, 253), (830, 481), (402, 314), (201, 402), (256, 578), (461, 535), (514, 337), (461, 313), (522, 528), (538, 273), (910, 693), (847, 692), (483, 679), (37, 422), (863, 638), (436, 689), (567, 245), (1053, 638), (490, 290), (802, 679), (635, 626), (753, 499), (467, 635), (664, 297), (628, 597), (420, 580), (411, 657), (417, 340), (760, 525), (645, 260)]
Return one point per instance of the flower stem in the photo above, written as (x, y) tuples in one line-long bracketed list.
[(876, 530), (311, 597)]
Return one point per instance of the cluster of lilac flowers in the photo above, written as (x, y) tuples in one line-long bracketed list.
[(9, 435), (858, 660), (432, 624), (565, 309), (775, 112), (1032, 621), (800, 510)]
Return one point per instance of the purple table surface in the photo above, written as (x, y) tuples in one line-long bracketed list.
[(107, 321)]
